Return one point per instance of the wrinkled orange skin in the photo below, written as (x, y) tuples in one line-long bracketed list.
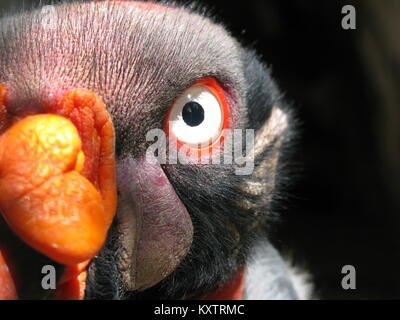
[(57, 180), (72, 285), (8, 290)]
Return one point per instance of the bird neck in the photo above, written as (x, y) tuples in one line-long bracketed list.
[(232, 290)]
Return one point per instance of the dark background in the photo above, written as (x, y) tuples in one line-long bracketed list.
[(344, 206)]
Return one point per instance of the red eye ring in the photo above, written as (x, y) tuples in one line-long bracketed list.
[(220, 94)]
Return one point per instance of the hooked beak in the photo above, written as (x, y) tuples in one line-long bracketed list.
[(57, 185)]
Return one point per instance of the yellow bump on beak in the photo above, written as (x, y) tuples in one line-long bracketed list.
[(44, 198)]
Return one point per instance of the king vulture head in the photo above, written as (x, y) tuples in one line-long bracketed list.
[(88, 90)]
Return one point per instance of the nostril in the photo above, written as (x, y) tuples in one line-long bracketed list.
[(21, 101)]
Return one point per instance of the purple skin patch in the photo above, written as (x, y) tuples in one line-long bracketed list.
[(156, 230)]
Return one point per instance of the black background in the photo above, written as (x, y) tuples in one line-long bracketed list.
[(344, 206)]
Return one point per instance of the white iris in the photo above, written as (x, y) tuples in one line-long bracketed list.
[(209, 129)]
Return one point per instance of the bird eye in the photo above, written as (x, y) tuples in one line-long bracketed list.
[(198, 115)]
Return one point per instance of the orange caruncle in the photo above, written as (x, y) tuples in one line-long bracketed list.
[(57, 181)]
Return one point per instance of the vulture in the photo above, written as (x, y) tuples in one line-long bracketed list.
[(143, 154)]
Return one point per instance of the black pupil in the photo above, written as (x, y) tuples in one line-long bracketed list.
[(193, 114)]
